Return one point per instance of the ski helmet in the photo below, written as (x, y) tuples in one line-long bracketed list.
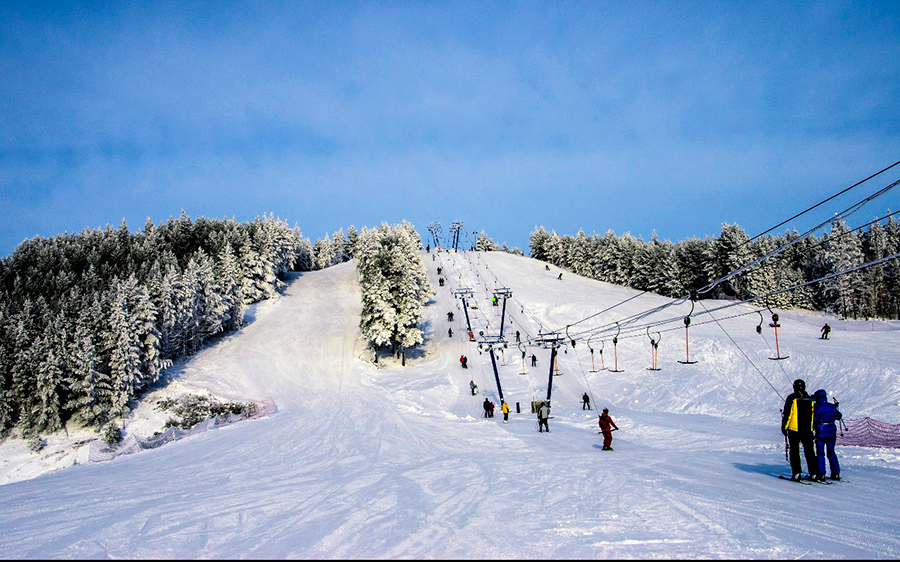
[(605, 410), (799, 385)]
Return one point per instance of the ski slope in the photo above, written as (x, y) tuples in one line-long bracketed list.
[(391, 462)]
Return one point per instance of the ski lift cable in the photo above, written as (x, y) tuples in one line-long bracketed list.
[(820, 203), (772, 293), (772, 352), (838, 216), (841, 235), (744, 354)]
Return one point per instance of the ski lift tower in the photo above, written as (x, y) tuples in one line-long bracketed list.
[(552, 341), (491, 342), (462, 293), (503, 293), (455, 227), (435, 230)]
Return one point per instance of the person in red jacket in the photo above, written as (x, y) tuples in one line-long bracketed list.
[(606, 427)]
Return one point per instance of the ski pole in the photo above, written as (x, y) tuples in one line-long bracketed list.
[(786, 448)]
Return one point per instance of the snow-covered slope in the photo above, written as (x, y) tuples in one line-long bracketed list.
[(398, 462)]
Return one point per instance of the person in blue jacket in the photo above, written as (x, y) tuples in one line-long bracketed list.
[(826, 434)]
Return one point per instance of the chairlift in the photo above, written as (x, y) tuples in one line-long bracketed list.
[(654, 350), (593, 366), (776, 325), (616, 350), (687, 344)]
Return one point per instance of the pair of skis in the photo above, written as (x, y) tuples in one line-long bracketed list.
[(807, 482)]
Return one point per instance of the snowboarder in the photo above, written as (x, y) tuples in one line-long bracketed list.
[(826, 329), (505, 409), (450, 332), (824, 416), (543, 415), (473, 386), (487, 407), (533, 360), (586, 402), (797, 427), (607, 426)]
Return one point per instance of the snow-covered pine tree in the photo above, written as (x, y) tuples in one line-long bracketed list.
[(229, 282), (46, 415), (352, 237), (730, 252), (323, 253), (92, 391), (843, 294), (537, 243), (125, 355)]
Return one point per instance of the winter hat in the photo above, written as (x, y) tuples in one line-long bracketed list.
[(821, 394)]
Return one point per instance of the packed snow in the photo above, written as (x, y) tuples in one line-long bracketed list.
[(386, 461)]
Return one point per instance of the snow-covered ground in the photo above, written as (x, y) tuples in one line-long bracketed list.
[(389, 461)]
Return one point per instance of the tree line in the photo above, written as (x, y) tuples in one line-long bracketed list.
[(675, 269), (89, 320)]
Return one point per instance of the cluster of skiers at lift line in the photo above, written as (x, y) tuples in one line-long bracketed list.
[(806, 419)]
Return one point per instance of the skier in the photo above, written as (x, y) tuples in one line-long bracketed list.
[(547, 267), (826, 329), (450, 332), (797, 427), (543, 415), (826, 433), (439, 270), (428, 248), (441, 281), (487, 407), (518, 336), (473, 386), (605, 423), (586, 401), (560, 277), (494, 301), (505, 409), (490, 409), (533, 360)]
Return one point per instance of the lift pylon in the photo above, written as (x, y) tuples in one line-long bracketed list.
[(462, 293)]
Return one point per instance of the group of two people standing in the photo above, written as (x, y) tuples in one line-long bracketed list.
[(806, 418)]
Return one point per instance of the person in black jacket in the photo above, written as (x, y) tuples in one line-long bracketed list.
[(797, 426)]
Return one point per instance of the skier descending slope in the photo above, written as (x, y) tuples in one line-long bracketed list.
[(797, 426), (607, 425)]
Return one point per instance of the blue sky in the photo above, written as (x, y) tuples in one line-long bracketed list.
[(596, 115)]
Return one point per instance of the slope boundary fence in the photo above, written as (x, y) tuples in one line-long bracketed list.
[(100, 452), (867, 432)]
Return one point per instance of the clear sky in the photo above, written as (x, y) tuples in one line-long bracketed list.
[(633, 116)]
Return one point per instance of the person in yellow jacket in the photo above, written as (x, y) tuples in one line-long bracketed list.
[(797, 427), (505, 409)]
